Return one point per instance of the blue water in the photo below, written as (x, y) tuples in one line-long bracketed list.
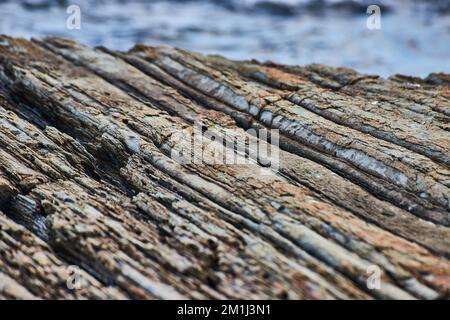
[(414, 38)]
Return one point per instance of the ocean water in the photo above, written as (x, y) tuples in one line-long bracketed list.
[(414, 38)]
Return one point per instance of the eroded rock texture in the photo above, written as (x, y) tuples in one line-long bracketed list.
[(87, 178)]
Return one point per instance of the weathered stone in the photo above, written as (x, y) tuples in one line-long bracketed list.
[(88, 179)]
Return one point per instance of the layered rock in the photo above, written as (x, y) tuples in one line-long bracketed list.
[(88, 179)]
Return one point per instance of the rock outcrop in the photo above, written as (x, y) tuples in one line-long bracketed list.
[(90, 190)]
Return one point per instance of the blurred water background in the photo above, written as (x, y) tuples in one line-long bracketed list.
[(414, 38)]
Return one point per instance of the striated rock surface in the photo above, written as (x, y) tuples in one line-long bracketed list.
[(93, 204)]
